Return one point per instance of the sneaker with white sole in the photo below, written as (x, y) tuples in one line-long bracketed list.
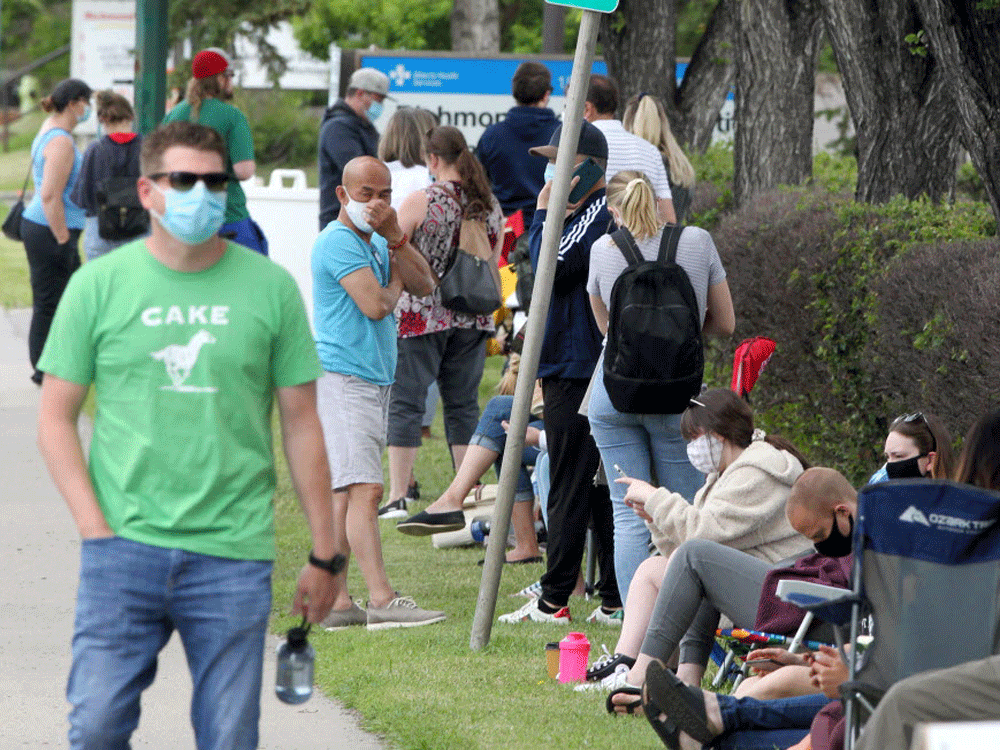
[(531, 613), (402, 612), (395, 509), (608, 663), (532, 591), (338, 619), (613, 681), (614, 619)]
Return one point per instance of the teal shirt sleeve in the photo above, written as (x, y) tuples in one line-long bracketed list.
[(70, 351)]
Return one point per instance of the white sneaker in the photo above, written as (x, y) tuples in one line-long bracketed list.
[(614, 619), (614, 681), (531, 613)]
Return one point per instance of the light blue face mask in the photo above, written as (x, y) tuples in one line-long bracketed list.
[(550, 172), (194, 215), (374, 111), (85, 115)]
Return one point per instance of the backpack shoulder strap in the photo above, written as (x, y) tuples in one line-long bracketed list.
[(668, 242), (626, 243)]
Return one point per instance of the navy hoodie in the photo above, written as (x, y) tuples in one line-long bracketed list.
[(515, 175), (572, 341), (342, 137)]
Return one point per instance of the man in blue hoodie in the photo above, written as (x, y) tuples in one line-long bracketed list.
[(515, 176)]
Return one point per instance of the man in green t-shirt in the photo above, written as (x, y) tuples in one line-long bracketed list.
[(206, 103), (176, 510)]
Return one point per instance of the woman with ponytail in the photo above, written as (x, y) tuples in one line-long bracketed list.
[(645, 117), (436, 343), (648, 447)]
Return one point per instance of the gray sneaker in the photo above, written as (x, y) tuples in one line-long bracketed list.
[(338, 619), (401, 612)]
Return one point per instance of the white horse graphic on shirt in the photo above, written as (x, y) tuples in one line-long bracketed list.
[(180, 358)]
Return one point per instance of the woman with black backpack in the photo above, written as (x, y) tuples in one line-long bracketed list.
[(642, 439), (106, 189)]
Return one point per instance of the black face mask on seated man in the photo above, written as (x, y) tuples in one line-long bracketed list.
[(837, 544), (908, 468)]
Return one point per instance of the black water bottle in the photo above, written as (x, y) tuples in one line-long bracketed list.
[(296, 661)]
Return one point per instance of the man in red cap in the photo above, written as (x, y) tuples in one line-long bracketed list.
[(206, 104)]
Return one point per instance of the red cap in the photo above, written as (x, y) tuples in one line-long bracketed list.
[(209, 62), (752, 355)]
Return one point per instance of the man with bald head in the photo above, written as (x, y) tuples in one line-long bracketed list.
[(705, 579), (361, 263)]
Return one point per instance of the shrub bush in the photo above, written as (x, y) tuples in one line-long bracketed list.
[(877, 311), (285, 132)]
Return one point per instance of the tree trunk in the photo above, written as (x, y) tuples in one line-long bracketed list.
[(707, 82), (899, 101), (775, 83), (475, 26), (640, 47), (963, 37)]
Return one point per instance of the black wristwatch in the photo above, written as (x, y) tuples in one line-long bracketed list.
[(332, 567)]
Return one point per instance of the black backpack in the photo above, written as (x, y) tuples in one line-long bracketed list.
[(653, 359), (120, 215)]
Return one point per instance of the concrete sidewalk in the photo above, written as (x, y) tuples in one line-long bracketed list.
[(37, 593)]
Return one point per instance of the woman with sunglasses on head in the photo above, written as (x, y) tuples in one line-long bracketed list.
[(918, 445), (52, 222)]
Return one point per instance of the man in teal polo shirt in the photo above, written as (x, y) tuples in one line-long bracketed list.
[(206, 103)]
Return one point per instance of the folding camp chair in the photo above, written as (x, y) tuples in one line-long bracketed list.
[(927, 565), (741, 641)]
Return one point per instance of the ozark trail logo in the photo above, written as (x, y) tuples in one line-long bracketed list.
[(180, 358), (913, 515)]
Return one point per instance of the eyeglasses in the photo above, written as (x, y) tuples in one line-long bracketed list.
[(917, 417), (215, 182)]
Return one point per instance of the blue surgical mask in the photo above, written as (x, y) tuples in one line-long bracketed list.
[(374, 111), (192, 216), (550, 172), (86, 114)]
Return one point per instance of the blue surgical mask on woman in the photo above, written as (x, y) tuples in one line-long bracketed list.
[(374, 112), (192, 216)]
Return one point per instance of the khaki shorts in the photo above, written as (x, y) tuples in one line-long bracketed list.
[(354, 414)]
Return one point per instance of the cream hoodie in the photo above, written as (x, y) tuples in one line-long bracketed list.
[(743, 508)]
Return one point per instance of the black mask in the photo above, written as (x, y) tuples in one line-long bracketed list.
[(908, 468), (837, 544)]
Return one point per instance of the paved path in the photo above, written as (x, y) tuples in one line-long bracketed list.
[(40, 548)]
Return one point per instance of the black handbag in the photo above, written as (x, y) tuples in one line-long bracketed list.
[(12, 224), (471, 284)]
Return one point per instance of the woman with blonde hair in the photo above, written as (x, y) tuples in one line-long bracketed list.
[(645, 446), (109, 165), (645, 117)]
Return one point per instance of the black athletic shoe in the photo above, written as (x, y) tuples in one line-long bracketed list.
[(395, 509), (607, 664), (413, 491), (425, 524)]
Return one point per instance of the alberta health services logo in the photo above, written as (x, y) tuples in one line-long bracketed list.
[(944, 523), (400, 75)]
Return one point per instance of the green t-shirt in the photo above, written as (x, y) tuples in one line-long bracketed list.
[(184, 366), (232, 125)]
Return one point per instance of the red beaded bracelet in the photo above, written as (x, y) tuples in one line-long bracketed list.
[(399, 244)]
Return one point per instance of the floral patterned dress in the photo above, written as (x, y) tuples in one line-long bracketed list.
[(437, 241)]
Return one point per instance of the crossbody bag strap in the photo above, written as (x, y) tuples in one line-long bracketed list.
[(668, 242), (626, 243)]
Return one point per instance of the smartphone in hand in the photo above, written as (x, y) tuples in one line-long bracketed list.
[(589, 173)]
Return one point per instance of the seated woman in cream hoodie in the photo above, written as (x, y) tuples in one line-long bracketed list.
[(741, 505)]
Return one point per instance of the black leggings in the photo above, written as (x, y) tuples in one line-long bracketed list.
[(51, 265)]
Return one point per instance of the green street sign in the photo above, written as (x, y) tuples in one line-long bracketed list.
[(601, 6)]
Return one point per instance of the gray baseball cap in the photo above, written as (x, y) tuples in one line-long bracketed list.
[(370, 79)]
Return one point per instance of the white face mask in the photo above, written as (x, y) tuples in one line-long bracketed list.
[(356, 210), (705, 453)]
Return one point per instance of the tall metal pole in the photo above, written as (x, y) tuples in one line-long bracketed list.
[(541, 293), (151, 33)]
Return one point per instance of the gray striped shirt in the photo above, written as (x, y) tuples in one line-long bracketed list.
[(696, 254), (627, 151)]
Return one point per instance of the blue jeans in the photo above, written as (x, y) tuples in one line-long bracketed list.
[(246, 232), (647, 447), (751, 724), (131, 598), (490, 434)]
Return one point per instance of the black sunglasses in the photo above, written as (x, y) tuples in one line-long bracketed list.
[(215, 182), (917, 417)]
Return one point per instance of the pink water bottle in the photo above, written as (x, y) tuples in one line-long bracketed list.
[(573, 652)]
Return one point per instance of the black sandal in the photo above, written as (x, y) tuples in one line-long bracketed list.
[(629, 707), (668, 733), (664, 693)]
